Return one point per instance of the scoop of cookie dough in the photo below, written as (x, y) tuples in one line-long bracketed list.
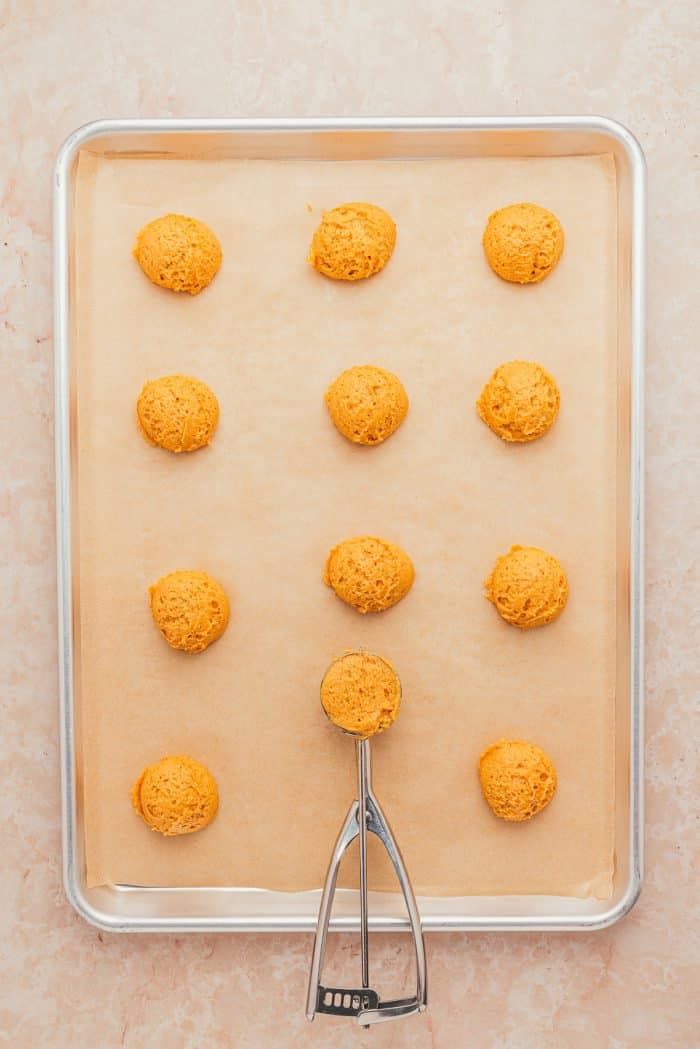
[(177, 412), (368, 573), (528, 587), (519, 402), (517, 779), (353, 241), (190, 609), (361, 693), (367, 404), (523, 242), (177, 795), (178, 252)]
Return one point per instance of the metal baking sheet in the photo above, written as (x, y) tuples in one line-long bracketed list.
[(132, 908)]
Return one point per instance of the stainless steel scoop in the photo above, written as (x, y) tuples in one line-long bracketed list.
[(365, 814)]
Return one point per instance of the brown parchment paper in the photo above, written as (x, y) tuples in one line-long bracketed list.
[(278, 487)]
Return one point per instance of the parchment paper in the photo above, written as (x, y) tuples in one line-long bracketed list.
[(260, 509)]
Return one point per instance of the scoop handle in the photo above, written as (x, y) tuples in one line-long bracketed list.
[(366, 1007), (363, 786)]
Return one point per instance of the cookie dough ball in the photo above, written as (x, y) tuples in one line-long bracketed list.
[(352, 242), (367, 404), (368, 573), (177, 795), (523, 243), (190, 609), (178, 413), (528, 587), (517, 779), (361, 693), (178, 252), (519, 402)]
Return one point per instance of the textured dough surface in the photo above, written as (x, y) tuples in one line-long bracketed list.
[(517, 779), (528, 587), (353, 241), (523, 243), (177, 412), (361, 693), (520, 402), (177, 795), (367, 404), (369, 573), (178, 252), (190, 609)]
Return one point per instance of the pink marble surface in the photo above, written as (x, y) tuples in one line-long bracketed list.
[(63, 63)]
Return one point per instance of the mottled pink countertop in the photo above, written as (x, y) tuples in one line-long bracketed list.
[(62, 983)]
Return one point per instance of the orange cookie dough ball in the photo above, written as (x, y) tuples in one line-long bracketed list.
[(367, 404), (528, 587), (517, 779), (523, 242), (353, 241), (177, 412), (368, 573), (361, 693), (177, 795), (190, 609), (519, 402), (178, 252)]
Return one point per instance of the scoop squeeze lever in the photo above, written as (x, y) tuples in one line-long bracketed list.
[(365, 814)]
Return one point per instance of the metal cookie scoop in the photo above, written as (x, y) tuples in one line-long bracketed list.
[(365, 814)]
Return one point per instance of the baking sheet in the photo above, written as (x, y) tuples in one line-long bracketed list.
[(278, 487)]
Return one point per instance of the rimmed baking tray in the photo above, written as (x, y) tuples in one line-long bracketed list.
[(131, 908)]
